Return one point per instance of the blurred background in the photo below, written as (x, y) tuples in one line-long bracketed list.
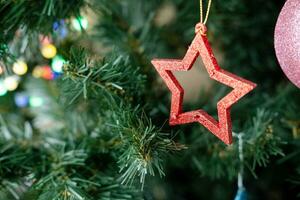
[(84, 114)]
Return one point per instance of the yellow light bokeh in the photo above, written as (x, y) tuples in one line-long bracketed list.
[(11, 83), (20, 67), (37, 72), (48, 51)]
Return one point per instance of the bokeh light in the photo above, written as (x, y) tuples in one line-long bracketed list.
[(44, 40), (44, 72), (57, 64), (37, 72), (47, 73), (60, 28), (11, 82), (35, 101), (80, 23), (3, 89), (1, 70), (20, 67), (48, 51), (21, 99)]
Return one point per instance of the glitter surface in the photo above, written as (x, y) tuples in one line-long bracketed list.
[(287, 40), (201, 47)]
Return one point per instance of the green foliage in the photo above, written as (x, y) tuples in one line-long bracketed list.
[(59, 182), (144, 146), (112, 77), (100, 132), (24, 19), (261, 142), (129, 32), (141, 146), (4, 51), (35, 16)]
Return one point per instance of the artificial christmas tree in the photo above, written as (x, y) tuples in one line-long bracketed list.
[(83, 111)]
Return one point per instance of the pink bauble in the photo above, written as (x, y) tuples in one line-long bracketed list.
[(287, 40)]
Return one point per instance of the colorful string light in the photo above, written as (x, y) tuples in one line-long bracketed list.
[(47, 73), (35, 101), (37, 72), (57, 64), (11, 82), (1, 70), (3, 89), (21, 99), (48, 51), (20, 67), (44, 40), (80, 23), (44, 72), (60, 28)]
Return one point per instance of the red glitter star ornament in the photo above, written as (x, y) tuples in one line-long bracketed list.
[(201, 47)]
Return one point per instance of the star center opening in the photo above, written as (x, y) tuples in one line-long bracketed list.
[(201, 92)]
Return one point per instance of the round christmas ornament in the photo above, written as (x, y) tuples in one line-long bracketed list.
[(287, 40), (201, 47)]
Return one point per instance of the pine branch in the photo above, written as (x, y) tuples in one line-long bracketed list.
[(30, 17), (17, 157), (261, 144), (129, 31), (107, 78), (60, 181), (14, 151), (14, 189), (35, 16), (110, 189), (144, 147), (141, 145)]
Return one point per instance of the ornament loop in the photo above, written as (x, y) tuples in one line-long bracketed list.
[(200, 28)]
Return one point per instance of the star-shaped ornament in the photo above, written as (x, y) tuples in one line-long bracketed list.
[(201, 47)]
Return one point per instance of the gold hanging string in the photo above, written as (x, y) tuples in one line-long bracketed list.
[(201, 11), (207, 11)]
